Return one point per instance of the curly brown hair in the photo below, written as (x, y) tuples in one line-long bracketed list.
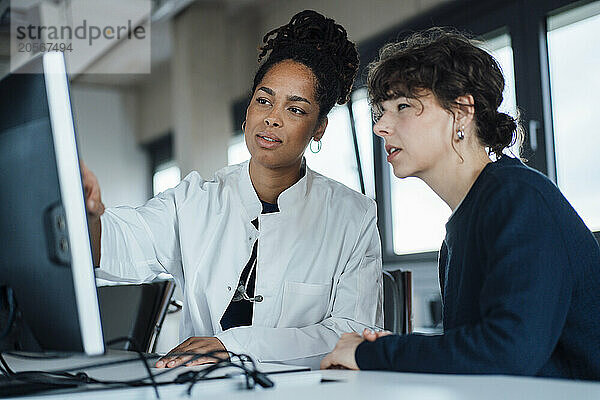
[(449, 64), (321, 45)]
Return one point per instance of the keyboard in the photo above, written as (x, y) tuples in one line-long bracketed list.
[(11, 388)]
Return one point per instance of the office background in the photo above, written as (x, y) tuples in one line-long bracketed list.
[(141, 133)]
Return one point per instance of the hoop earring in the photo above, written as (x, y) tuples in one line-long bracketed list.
[(319, 145), (244, 126), (461, 133)]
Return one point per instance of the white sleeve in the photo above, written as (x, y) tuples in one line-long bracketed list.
[(358, 304), (139, 243)]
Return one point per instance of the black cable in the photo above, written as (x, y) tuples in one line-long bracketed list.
[(64, 378), (43, 377), (139, 382), (257, 377), (52, 378), (200, 375), (2, 369), (11, 313), (177, 304), (9, 324), (80, 367), (142, 357), (6, 368), (195, 356), (41, 356), (35, 381)]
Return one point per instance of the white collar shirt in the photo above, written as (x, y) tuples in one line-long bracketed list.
[(318, 260)]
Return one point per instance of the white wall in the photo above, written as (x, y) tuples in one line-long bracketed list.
[(105, 119), (362, 19), (154, 101), (201, 87)]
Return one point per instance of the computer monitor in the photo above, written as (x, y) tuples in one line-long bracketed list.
[(45, 255)]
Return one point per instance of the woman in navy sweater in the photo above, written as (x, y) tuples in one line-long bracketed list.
[(519, 270)]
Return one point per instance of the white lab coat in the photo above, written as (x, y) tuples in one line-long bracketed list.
[(318, 260)]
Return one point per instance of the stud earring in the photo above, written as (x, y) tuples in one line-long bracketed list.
[(461, 133)]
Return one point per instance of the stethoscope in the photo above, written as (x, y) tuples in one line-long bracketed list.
[(240, 293)]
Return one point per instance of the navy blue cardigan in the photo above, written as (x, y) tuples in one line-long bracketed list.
[(520, 279)]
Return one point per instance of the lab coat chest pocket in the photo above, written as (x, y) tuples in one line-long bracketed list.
[(303, 304)]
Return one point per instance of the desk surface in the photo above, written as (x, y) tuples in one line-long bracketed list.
[(361, 385)]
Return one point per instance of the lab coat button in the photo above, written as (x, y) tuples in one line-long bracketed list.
[(229, 288)]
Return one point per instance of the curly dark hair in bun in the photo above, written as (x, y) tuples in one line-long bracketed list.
[(321, 45), (450, 65)]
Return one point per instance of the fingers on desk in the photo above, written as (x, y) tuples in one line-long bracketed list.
[(371, 335), (188, 351)]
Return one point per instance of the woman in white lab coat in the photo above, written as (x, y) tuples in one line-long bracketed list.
[(275, 260)]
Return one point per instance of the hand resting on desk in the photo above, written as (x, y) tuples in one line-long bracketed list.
[(342, 355), (194, 345)]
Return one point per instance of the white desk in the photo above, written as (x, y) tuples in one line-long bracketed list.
[(368, 385), (130, 367), (360, 385)]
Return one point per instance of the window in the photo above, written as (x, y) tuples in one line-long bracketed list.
[(500, 47), (166, 176), (337, 159), (237, 151), (418, 216), (363, 126), (574, 60), (164, 171)]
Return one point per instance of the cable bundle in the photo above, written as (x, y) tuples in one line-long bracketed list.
[(50, 380)]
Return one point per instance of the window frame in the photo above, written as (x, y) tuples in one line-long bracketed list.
[(525, 22)]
